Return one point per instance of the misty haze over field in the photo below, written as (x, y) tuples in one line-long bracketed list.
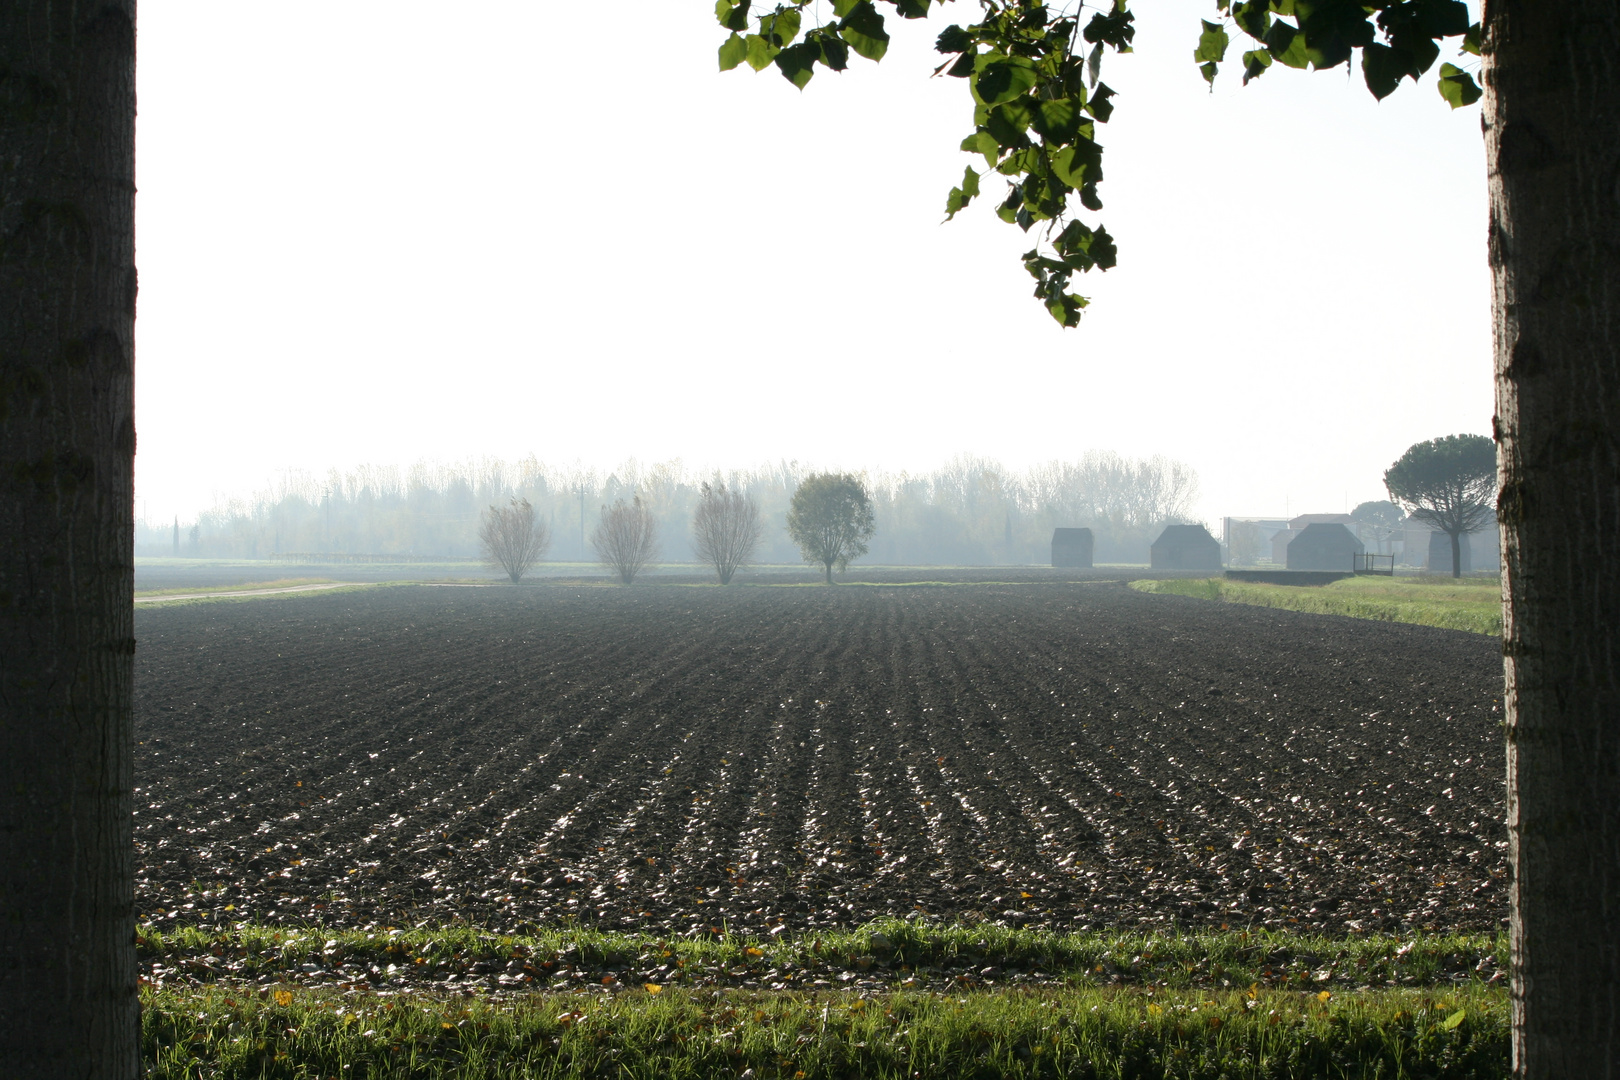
[(972, 511)]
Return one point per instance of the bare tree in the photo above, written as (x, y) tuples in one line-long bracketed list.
[(513, 538), (726, 528), (626, 538)]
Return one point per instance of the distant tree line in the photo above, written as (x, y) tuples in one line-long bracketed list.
[(973, 511)]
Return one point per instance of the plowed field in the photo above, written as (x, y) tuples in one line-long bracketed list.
[(676, 759)]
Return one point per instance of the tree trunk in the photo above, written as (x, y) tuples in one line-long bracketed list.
[(1552, 132), (1456, 555), (829, 573), (68, 1005)]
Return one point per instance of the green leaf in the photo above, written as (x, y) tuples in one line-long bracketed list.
[(1116, 28), (964, 65), (1104, 250), (1253, 17), (1008, 122), (760, 52), (1094, 63), (781, 28), (1444, 18), (953, 39), (1023, 160), (1058, 120), (863, 29), (1255, 64), (1003, 80), (982, 142), (1208, 71), (834, 52), (1287, 45), (733, 51), (733, 14), (1451, 1022), (1458, 87), (961, 196), (1101, 106), (1473, 39), (912, 9), (797, 63), (1383, 68), (844, 7), (1212, 45), (1079, 164)]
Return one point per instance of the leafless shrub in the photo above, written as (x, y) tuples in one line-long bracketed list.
[(726, 528), (513, 538), (626, 538)]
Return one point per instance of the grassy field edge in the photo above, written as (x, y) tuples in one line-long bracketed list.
[(1349, 598), (650, 1031)]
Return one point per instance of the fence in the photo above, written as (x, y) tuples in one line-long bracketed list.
[(1370, 563)]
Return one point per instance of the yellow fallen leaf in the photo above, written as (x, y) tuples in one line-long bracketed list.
[(1324, 995), (283, 997), (447, 1025), (752, 951), (652, 988)]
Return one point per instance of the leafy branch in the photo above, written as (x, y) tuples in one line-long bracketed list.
[(1034, 76), (1037, 101), (1326, 33)]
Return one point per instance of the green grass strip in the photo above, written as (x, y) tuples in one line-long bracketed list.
[(1474, 607), (892, 952), (683, 1035)]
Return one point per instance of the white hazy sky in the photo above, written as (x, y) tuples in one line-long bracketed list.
[(383, 232)]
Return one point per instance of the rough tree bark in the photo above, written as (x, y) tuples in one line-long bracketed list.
[(1552, 130), (68, 1006)]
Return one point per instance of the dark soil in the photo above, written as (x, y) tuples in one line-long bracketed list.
[(780, 759)]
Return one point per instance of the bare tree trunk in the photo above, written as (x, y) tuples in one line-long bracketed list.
[(1552, 131), (1456, 555), (68, 1005)]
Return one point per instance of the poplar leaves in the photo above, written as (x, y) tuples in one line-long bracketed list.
[(1398, 40), (1034, 79)]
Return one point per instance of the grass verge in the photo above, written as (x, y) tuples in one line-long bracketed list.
[(674, 1033), (1474, 606), (890, 953)]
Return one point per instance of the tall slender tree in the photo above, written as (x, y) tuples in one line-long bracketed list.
[(1552, 141), (68, 1005)]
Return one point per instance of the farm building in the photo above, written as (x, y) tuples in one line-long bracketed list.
[(1071, 547), (1185, 547), (1297, 525), (1324, 546)]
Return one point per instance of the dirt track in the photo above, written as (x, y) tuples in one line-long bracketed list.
[(678, 758)]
